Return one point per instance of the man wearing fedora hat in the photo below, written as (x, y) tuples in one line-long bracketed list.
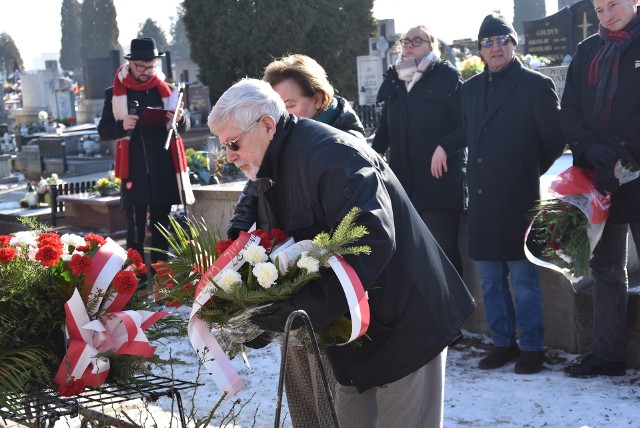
[(153, 179)]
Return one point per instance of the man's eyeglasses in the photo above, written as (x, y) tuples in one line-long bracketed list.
[(487, 42), (233, 144), (142, 68), (413, 42)]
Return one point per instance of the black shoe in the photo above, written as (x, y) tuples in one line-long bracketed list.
[(530, 362), (593, 366), (499, 356)]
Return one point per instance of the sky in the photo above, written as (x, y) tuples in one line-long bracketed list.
[(34, 25), (473, 398)]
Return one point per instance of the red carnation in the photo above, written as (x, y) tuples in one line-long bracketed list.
[(80, 264), (4, 240), (162, 270), (7, 254), (134, 256), (95, 238), (125, 281), (279, 236), (48, 255), (222, 246), (49, 238), (265, 238), (71, 388), (83, 248)]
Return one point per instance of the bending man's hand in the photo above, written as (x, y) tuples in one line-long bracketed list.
[(273, 317), (439, 162)]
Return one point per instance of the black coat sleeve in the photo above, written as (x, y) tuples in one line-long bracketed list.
[(246, 211)]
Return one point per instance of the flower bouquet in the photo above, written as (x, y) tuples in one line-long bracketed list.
[(226, 280), (107, 187), (571, 224), (68, 313)]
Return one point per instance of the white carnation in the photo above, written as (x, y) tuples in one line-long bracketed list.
[(255, 254), (311, 264), (72, 239), (66, 257), (266, 274), (227, 278), (24, 239)]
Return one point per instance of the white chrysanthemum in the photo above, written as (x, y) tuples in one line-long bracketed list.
[(255, 254), (23, 239), (72, 239), (227, 278), (311, 264), (266, 274)]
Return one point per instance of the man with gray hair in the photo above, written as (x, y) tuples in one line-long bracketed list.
[(418, 303)]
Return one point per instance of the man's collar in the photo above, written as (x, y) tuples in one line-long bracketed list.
[(269, 167)]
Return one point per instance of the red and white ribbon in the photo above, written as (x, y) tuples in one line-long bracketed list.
[(204, 342), (355, 294), (118, 331)]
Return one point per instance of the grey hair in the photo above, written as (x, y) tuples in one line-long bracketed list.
[(243, 103)]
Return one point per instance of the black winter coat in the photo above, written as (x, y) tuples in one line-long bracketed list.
[(621, 132), (418, 302), (249, 208), (413, 124), (512, 124), (152, 176)]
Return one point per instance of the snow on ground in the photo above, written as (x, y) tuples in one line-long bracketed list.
[(473, 398)]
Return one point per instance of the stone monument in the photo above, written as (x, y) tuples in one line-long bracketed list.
[(372, 66), (557, 35)]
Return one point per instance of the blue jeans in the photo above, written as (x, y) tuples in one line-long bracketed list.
[(498, 304), (610, 298)]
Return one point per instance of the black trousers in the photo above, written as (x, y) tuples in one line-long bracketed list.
[(445, 228), (137, 224)]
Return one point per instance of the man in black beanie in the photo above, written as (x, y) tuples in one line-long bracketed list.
[(511, 116)]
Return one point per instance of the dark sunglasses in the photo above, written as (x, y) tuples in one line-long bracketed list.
[(487, 42), (233, 144), (413, 42)]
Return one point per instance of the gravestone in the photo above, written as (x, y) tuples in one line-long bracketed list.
[(558, 75), (557, 35), (372, 66), (36, 88)]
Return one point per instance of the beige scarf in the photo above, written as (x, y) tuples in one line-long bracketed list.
[(410, 70)]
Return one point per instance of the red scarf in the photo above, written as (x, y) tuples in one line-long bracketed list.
[(122, 81)]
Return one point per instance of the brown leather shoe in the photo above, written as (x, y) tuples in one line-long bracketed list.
[(499, 356), (530, 362)]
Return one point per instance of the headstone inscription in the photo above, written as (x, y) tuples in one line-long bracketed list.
[(557, 35)]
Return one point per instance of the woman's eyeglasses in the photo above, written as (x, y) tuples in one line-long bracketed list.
[(143, 69), (487, 42), (233, 144), (413, 42)]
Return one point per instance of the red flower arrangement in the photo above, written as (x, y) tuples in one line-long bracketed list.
[(40, 275)]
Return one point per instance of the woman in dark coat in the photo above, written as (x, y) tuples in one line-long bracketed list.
[(420, 127)]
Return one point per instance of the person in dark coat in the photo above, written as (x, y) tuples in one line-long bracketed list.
[(420, 126), (153, 179), (303, 85), (417, 301), (512, 123), (600, 116)]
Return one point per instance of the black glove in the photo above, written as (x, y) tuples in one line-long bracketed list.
[(606, 181), (601, 156), (260, 341), (273, 317)]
